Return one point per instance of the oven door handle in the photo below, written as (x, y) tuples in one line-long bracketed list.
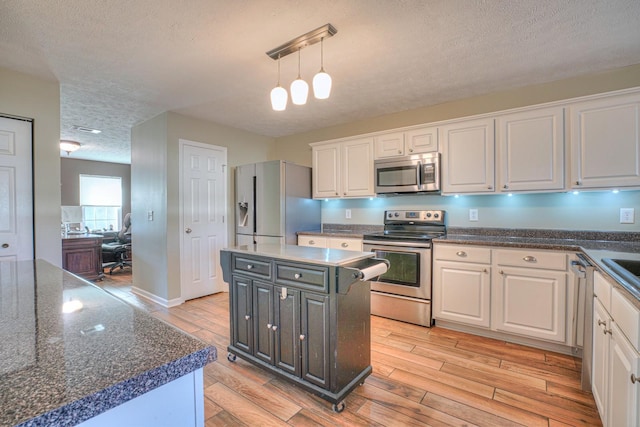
[(389, 244)]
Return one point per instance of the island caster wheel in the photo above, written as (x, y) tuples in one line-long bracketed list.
[(231, 357), (338, 407)]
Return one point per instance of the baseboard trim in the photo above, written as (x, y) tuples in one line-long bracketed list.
[(158, 300)]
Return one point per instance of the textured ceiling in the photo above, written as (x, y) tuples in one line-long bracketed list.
[(120, 62)]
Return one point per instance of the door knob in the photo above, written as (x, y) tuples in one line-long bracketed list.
[(187, 230), (5, 245)]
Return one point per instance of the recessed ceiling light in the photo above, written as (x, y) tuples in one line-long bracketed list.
[(85, 129)]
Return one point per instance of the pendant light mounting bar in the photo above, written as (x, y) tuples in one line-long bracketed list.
[(304, 40)]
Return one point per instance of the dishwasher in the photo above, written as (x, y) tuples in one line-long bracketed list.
[(583, 270)]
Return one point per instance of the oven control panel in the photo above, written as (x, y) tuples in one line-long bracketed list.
[(414, 217)]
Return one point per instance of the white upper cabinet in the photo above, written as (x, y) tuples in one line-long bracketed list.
[(468, 156), (605, 142), (415, 141), (531, 150), (343, 169)]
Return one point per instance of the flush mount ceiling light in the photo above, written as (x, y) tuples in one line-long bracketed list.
[(300, 88), (69, 146)]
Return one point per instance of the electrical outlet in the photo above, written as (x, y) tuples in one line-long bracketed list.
[(347, 213), (473, 214), (627, 216)]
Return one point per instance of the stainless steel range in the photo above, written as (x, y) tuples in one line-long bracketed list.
[(404, 291)]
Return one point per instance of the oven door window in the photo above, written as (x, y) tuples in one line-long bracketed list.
[(404, 268)]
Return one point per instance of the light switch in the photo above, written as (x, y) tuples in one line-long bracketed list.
[(347, 213), (150, 215)]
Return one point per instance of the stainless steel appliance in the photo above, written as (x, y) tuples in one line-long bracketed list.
[(404, 291), (583, 270), (273, 202), (418, 173)]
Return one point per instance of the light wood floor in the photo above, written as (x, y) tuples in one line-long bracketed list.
[(420, 377)]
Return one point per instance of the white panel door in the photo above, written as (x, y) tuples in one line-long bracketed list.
[(16, 190), (204, 229)]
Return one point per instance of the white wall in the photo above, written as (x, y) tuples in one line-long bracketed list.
[(29, 97), (594, 211)]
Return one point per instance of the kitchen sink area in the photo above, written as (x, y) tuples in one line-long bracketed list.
[(628, 270)]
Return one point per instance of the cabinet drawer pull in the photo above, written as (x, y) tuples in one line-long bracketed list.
[(602, 323), (484, 270), (247, 317), (344, 245), (489, 187), (297, 276), (461, 253), (302, 337), (274, 328), (312, 242), (529, 258), (249, 266), (607, 331), (5, 245), (269, 325), (634, 379)]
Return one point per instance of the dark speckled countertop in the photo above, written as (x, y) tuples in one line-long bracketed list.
[(62, 369)]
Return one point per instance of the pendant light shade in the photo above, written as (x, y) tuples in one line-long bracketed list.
[(279, 94), (299, 88), (322, 80)]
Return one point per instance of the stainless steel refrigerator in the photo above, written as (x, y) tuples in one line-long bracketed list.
[(273, 202)]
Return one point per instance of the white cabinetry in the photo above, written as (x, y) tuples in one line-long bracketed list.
[(468, 156), (605, 142), (514, 291), (412, 141), (530, 293), (461, 284), (343, 169), (531, 150), (616, 359), (344, 243)]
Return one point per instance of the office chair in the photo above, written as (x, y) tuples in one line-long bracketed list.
[(114, 254)]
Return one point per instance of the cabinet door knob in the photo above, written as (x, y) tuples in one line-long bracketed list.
[(505, 186), (501, 272), (578, 183), (269, 325), (634, 379), (5, 245), (297, 276), (399, 151), (302, 337), (461, 253), (489, 187), (274, 328), (345, 245), (485, 270), (530, 258), (411, 150), (247, 317), (249, 266)]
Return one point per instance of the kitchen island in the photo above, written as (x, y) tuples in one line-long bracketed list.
[(303, 314), (72, 354)]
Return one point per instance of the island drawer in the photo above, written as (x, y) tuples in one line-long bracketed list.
[(252, 266), (303, 276), (531, 259)]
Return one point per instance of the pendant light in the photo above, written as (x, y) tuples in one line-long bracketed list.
[(322, 80), (279, 94), (299, 88)]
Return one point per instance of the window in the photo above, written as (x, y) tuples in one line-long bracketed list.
[(101, 201)]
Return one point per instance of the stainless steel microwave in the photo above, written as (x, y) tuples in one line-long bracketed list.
[(418, 173)]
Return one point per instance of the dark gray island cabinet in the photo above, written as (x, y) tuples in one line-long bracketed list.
[(302, 313)]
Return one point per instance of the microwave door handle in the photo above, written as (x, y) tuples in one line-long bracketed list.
[(419, 176)]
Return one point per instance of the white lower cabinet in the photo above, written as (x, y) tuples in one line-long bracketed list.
[(319, 241), (616, 361), (515, 291)]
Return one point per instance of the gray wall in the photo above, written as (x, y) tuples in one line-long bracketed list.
[(71, 169), (26, 96)]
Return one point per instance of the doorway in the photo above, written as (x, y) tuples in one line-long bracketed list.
[(203, 211)]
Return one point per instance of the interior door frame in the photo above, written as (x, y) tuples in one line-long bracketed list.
[(181, 144), (30, 121)]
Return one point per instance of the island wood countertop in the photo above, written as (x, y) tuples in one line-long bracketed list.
[(63, 368)]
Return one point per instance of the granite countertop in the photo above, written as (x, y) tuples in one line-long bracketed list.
[(61, 369), (344, 230), (304, 254)]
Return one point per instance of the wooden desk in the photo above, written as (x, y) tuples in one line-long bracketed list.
[(82, 255)]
